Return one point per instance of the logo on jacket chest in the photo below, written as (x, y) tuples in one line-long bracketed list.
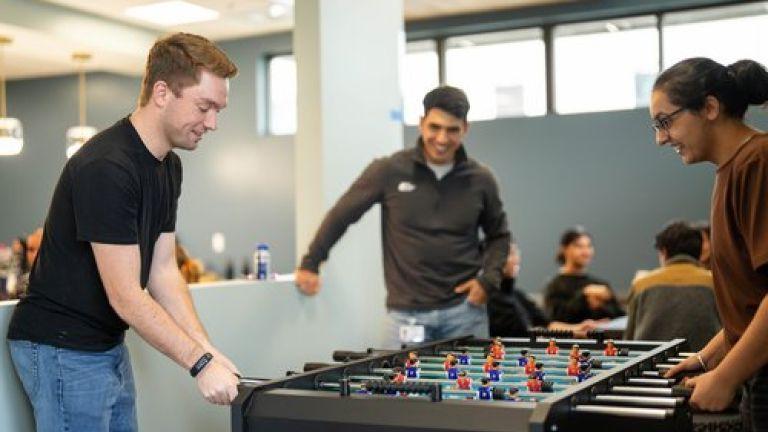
[(406, 186)]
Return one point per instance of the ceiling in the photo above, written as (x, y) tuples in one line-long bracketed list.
[(45, 33)]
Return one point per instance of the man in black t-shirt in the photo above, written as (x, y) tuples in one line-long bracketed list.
[(108, 235)]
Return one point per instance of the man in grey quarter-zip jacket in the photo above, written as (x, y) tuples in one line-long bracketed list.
[(437, 270)]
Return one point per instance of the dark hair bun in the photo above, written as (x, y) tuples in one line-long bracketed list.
[(752, 80)]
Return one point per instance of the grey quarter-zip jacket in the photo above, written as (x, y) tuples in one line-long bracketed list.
[(430, 227)]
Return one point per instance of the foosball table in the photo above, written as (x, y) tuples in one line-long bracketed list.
[(550, 384)]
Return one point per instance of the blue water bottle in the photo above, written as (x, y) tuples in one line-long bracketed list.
[(262, 261)]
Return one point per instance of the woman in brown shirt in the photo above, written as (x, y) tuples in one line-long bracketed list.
[(698, 108)]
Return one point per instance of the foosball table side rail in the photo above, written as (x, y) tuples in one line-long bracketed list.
[(294, 404), (592, 405)]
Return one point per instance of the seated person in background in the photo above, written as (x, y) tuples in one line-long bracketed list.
[(680, 288), (511, 312), (191, 269), (574, 295), (31, 246), (25, 249)]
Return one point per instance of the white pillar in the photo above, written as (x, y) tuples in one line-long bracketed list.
[(348, 54)]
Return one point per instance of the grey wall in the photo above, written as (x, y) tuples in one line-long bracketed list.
[(238, 182), (600, 170)]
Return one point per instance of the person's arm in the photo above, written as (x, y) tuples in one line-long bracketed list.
[(167, 286), (119, 267), (714, 390), (611, 307), (367, 190), (493, 221)]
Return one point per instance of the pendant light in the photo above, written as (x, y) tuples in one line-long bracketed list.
[(80, 134), (11, 133)]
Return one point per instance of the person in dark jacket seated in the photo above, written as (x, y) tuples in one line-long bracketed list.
[(511, 312), (575, 295)]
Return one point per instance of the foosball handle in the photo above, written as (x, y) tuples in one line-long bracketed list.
[(252, 380), (344, 387), (598, 335), (310, 366), (436, 395), (681, 391), (535, 332), (345, 356)]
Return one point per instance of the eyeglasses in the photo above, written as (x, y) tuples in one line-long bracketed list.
[(664, 121)]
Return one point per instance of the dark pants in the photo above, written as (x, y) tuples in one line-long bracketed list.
[(754, 403)]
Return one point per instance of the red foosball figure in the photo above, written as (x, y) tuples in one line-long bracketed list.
[(497, 349), (488, 365), (610, 348), (398, 376), (534, 385), (464, 382), (573, 367), (530, 367), (413, 360), (552, 348), (574, 351), (449, 358)]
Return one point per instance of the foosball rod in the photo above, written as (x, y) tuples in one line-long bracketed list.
[(658, 401), (649, 413), (658, 391)]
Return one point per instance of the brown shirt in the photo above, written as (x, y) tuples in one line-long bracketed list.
[(740, 235)]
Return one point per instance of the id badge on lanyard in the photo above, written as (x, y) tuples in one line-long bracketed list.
[(412, 333)]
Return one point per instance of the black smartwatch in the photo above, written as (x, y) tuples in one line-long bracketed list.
[(200, 364)]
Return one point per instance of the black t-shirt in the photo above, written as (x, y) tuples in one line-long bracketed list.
[(112, 191), (564, 299)]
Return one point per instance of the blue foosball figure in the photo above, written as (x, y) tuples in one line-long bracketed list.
[(586, 358), (484, 392), (585, 372), (495, 374), (412, 372), (523, 359), (464, 358), (452, 373)]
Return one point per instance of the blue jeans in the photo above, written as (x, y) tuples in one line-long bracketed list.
[(77, 390), (460, 320)]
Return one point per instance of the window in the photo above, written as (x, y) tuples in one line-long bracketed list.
[(724, 34), (605, 65), (282, 95), (503, 73), (419, 75)]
